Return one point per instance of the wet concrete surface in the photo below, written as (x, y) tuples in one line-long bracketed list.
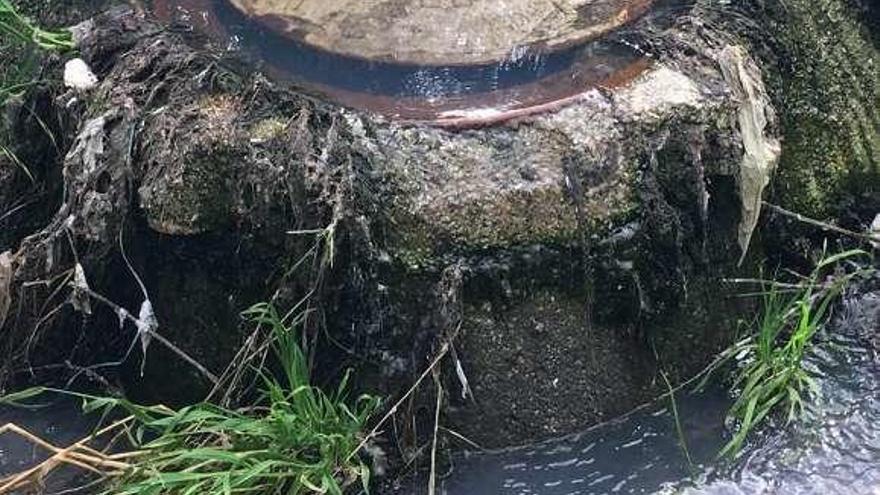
[(525, 77)]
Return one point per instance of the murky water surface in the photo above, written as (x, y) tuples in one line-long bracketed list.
[(637, 454), (59, 423), (835, 451)]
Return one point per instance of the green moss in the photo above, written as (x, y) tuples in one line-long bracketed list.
[(268, 129), (189, 188), (414, 244), (199, 201), (830, 101), (546, 217), (61, 13)]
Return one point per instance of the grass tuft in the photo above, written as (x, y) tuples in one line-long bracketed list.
[(771, 378), (296, 439), (300, 443), (13, 24), (18, 38)]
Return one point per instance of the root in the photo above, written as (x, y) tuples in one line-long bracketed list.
[(872, 239), (432, 479)]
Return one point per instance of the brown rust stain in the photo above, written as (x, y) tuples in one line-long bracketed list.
[(626, 75), (618, 79)]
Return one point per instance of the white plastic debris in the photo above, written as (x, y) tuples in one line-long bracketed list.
[(79, 76), (761, 147), (147, 324), (81, 297), (123, 315), (5, 284), (875, 231), (462, 378)]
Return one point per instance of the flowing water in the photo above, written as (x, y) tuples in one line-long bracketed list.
[(58, 423), (836, 450), (637, 454), (424, 82)]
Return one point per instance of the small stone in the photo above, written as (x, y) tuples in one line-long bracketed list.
[(78, 75)]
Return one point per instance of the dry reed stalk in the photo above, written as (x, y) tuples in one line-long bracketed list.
[(78, 454)]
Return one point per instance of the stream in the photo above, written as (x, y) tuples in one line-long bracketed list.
[(59, 423), (835, 450)]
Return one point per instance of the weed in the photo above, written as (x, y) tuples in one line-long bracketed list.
[(15, 25), (682, 440), (295, 440), (771, 376), (12, 157), (18, 37)]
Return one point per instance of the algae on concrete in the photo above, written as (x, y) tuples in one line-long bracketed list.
[(826, 75)]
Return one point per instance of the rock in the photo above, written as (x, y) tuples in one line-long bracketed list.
[(521, 207), (544, 180), (189, 186)]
